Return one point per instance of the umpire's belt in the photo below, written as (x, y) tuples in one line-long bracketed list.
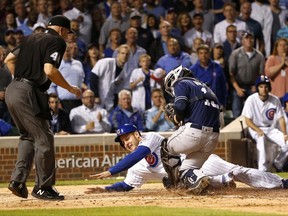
[(204, 128), (24, 80)]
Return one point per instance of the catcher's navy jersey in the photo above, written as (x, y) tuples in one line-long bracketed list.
[(196, 103)]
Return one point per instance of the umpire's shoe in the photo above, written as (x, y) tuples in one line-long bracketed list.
[(194, 181), (18, 189), (46, 193)]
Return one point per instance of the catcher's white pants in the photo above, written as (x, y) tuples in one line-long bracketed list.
[(272, 135), (196, 144)]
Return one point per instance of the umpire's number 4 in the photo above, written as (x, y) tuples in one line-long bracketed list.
[(54, 56)]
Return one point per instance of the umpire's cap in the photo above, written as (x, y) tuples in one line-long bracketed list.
[(60, 20), (125, 129)]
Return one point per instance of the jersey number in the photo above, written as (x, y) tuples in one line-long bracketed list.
[(54, 56)]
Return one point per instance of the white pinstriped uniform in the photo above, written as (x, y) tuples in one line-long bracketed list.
[(265, 115), (253, 177), (152, 168)]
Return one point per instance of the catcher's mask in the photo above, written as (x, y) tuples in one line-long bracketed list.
[(262, 80), (173, 76), (125, 129)]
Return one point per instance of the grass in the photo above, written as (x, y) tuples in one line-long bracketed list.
[(129, 211)]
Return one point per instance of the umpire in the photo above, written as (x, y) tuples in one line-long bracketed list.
[(34, 65)]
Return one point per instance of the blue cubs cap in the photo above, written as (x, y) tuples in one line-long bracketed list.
[(125, 129)]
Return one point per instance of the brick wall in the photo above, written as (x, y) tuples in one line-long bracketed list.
[(77, 156)]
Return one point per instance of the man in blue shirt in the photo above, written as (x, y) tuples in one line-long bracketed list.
[(174, 58), (210, 73), (124, 113)]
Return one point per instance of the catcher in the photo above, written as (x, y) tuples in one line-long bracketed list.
[(145, 164)]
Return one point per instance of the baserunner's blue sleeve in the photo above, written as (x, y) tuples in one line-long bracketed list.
[(130, 160), (119, 186)]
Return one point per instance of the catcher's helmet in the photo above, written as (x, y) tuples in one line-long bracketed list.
[(124, 129), (173, 76), (262, 79)]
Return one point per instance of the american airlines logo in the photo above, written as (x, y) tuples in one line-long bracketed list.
[(40, 192)]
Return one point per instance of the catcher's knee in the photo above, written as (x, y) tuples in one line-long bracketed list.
[(171, 163)]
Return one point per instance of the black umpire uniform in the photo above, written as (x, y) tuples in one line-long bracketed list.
[(26, 101)]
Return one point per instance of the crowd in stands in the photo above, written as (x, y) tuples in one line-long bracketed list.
[(120, 51)]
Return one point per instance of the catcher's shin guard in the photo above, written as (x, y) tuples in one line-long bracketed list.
[(171, 164)]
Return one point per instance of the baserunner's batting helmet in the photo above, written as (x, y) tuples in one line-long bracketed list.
[(262, 80), (125, 129)]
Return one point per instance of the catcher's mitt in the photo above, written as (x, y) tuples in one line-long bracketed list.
[(169, 113)]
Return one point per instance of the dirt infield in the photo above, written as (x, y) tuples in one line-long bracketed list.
[(242, 198)]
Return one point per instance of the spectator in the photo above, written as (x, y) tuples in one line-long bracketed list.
[(159, 46), (262, 126), (174, 58), (19, 36), (183, 6), (60, 123), (105, 8), (90, 60), (140, 84), (231, 42), (259, 11), (137, 5), (208, 17), (276, 68), (65, 5), (155, 119), (152, 24), (217, 55), (145, 37), (193, 52), (72, 70), (80, 13), (42, 10), (184, 22), (230, 19), (171, 16), (39, 27), (253, 26), (152, 7), (74, 37), (114, 39), (283, 32), (210, 73), (125, 9), (5, 79), (97, 22), (107, 78), (27, 27), (274, 20), (245, 65), (10, 40), (135, 52), (73, 49), (124, 113), (21, 13), (197, 32), (115, 21), (89, 117), (10, 24)]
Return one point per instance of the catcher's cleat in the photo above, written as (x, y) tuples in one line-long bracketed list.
[(171, 164), (18, 189), (285, 183), (194, 181)]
